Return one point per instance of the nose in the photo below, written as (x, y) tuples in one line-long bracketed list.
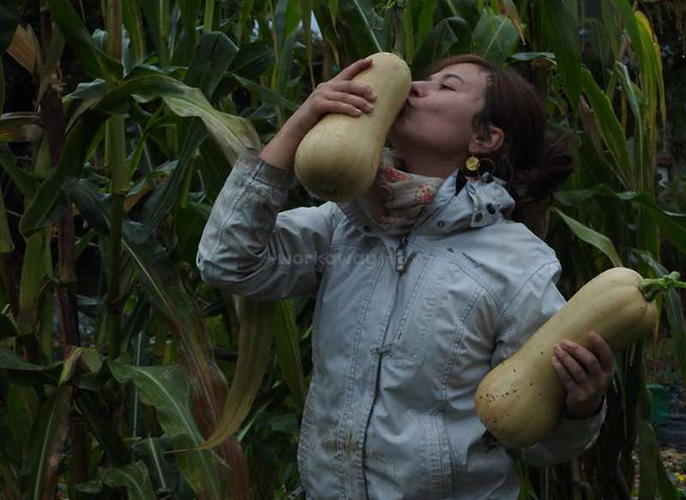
[(418, 88)]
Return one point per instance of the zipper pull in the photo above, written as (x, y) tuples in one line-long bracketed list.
[(400, 258)]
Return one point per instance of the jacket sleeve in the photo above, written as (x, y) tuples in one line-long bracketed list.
[(251, 249), (537, 300)]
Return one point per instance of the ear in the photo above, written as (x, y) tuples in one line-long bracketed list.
[(489, 142)]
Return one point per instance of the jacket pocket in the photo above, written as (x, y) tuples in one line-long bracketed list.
[(441, 463)]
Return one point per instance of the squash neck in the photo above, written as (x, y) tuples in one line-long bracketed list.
[(652, 287)]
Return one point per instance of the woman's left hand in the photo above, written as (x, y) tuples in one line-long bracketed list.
[(585, 373)]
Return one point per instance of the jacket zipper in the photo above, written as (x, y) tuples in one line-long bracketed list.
[(400, 257), (400, 265)]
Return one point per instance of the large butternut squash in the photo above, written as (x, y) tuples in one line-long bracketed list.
[(338, 158), (521, 399)]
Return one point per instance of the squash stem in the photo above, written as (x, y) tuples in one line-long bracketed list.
[(651, 288)]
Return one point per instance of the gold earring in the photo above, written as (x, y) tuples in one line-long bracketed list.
[(472, 163)]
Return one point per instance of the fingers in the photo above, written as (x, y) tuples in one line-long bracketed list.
[(569, 364), (603, 352), (348, 97), (349, 87), (562, 373), (585, 373), (585, 367), (350, 71)]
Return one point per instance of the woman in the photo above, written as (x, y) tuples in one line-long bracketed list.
[(423, 285)]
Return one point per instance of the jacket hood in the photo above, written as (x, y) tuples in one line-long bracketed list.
[(480, 202)]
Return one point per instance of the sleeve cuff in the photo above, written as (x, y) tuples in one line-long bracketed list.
[(264, 172), (580, 426)]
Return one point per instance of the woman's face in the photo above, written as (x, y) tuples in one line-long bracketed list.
[(438, 112)]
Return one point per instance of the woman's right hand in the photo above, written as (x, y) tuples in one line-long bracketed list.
[(338, 95)]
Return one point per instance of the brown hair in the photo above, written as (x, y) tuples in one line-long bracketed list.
[(533, 161)]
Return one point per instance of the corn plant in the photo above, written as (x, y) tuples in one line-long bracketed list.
[(110, 386)]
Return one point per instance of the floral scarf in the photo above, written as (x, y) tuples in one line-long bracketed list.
[(396, 197)]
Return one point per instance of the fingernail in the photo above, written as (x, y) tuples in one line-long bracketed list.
[(373, 97), (567, 343), (557, 347)]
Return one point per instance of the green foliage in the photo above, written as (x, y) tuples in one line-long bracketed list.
[(122, 172)]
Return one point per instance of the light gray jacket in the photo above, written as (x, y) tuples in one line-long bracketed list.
[(404, 329)]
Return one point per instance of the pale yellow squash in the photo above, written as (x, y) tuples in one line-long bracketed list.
[(338, 158), (522, 398)]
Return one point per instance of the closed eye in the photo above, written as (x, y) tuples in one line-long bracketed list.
[(446, 87)]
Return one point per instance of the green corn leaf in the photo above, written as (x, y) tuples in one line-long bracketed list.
[(85, 97), (288, 351), (165, 198), (648, 457), (20, 408), (213, 169), (134, 477), (426, 21), (94, 61), (285, 67), (654, 93), (370, 31), (26, 183), (157, 21), (466, 9), (167, 389), (495, 37), (635, 99), (585, 233), (252, 60), (231, 133), (41, 211), (163, 472), (10, 13), (6, 243), (89, 356), (286, 20), (245, 23), (8, 327), (672, 225), (167, 294), (560, 26), (31, 277), (449, 33), (513, 14), (2, 89), (256, 320), (133, 21), (187, 40), (608, 125), (306, 17), (211, 60), (12, 362), (111, 442), (49, 431), (266, 95), (675, 312)]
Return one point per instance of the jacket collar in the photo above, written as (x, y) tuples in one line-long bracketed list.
[(478, 203)]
